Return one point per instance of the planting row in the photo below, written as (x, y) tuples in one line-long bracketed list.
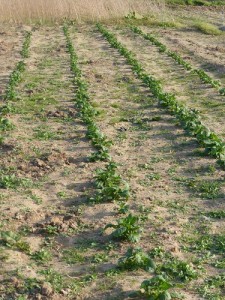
[(174, 55), (15, 77), (10, 94), (188, 118)]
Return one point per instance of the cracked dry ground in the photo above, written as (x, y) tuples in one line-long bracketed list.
[(52, 241)]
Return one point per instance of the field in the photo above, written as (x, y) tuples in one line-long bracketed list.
[(113, 158)]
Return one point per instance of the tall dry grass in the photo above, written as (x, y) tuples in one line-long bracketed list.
[(78, 10)]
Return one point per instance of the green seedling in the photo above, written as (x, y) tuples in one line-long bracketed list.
[(123, 208), (100, 258), (136, 258), (156, 288), (54, 278), (127, 228), (110, 185)]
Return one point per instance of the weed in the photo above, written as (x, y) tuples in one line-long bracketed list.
[(157, 252), (222, 91), (213, 287), (7, 108), (72, 256), (214, 243), (219, 263), (54, 278), (36, 199), (43, 132), (206, 189), (178, 270), (13, 240), (50, 229), (153, 176), (3, 255), (62, 194), (220, 214), (146, 166), (1, 140), (41, 256), (99, 258)]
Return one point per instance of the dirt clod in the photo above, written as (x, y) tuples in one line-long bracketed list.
[(47, 289)]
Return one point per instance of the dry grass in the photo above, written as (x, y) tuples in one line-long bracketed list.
[(79, 10)]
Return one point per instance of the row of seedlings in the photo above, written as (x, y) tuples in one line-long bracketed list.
[(10, 94), (15, 77), (9, 238), (174, 55), (188, 118)]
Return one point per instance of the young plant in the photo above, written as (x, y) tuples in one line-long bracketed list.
[(136, 258), (15, 77), (123, 208), (127, 228), (222, 91), (156, 288), (110, 186)]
